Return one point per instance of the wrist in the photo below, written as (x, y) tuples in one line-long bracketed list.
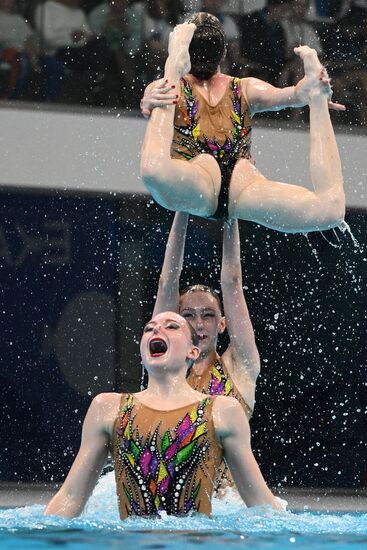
[(299, 99), (296, 95)]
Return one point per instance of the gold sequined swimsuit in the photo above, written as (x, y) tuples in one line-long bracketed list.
[(165, 460), (222, 131)]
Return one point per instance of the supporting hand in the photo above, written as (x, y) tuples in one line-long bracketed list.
[(158, 94), (315, 77)]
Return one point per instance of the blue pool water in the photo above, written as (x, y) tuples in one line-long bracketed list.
[(232, 525)]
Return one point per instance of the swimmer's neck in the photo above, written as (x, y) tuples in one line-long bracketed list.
[(172, 389), (217, 77), (204, 362)]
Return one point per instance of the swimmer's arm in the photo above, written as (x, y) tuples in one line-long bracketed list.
[(262, 96), (169, 280), (157, 94), (233, 431), (70, 500), (241, 357)]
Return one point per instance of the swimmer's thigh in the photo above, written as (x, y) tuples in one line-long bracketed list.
[(282, 206), (189, 186)]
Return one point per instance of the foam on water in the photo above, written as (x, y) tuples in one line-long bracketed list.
[(228, 516)]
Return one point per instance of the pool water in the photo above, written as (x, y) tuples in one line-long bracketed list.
[(232, 524)]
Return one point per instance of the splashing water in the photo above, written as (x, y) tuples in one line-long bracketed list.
[(313, 250), (260, 527), (345, 228), (142, 378), (334, 245)]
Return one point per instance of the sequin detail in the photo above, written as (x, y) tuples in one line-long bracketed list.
[(160, 470), (220, 383), (234, 147)]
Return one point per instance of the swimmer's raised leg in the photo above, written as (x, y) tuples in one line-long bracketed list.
[(177, 184), (292, 208)]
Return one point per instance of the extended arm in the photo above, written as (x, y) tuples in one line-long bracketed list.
[(70, 500), (169, 280), (241, 357), (262, 96), (233, 431)]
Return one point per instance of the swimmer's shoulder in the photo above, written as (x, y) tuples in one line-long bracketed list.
[(106, 407), (227, 412), (225, 403)]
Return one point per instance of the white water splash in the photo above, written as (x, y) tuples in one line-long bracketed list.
[(345, 228), (334, 245), (100, 527), (313, 250), (229, 514)]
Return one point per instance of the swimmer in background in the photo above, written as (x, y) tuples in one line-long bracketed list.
[(196, 151), (167, 441), (236, 371)]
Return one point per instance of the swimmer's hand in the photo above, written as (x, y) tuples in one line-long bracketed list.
[(158, 94), (302, 90), (326, 82), (316, 77)]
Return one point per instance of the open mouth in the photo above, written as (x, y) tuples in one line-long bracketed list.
[(202, 337), (157, 347)]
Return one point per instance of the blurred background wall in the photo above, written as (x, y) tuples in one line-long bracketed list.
[(99, 151)]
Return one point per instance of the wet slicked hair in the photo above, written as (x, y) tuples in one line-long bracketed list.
[(202, 288), (208, 45)]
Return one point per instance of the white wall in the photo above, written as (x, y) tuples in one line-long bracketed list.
[(45, 149)]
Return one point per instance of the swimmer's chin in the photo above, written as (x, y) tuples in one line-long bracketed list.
[(159, 362)]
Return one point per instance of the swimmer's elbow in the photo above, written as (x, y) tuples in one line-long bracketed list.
[(168, 285), (231, 280)]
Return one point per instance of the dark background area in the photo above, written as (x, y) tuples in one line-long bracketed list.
[(112, 72), (78, 280)]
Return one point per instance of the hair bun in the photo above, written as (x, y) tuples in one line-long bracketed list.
[(207, 46)]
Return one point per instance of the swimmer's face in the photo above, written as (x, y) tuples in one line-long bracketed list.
[(167, 343), (202, 311)]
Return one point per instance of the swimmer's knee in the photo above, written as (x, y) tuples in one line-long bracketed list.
[(329, 210), (337, 206), (152, 170)]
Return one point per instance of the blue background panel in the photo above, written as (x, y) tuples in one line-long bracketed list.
[(58, 323)]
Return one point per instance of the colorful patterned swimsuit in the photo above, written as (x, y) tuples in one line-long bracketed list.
[(216, 381), (165, 461), (223, 131)]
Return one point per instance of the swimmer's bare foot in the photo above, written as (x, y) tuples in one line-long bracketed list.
[(178, 62), (316, 81)]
